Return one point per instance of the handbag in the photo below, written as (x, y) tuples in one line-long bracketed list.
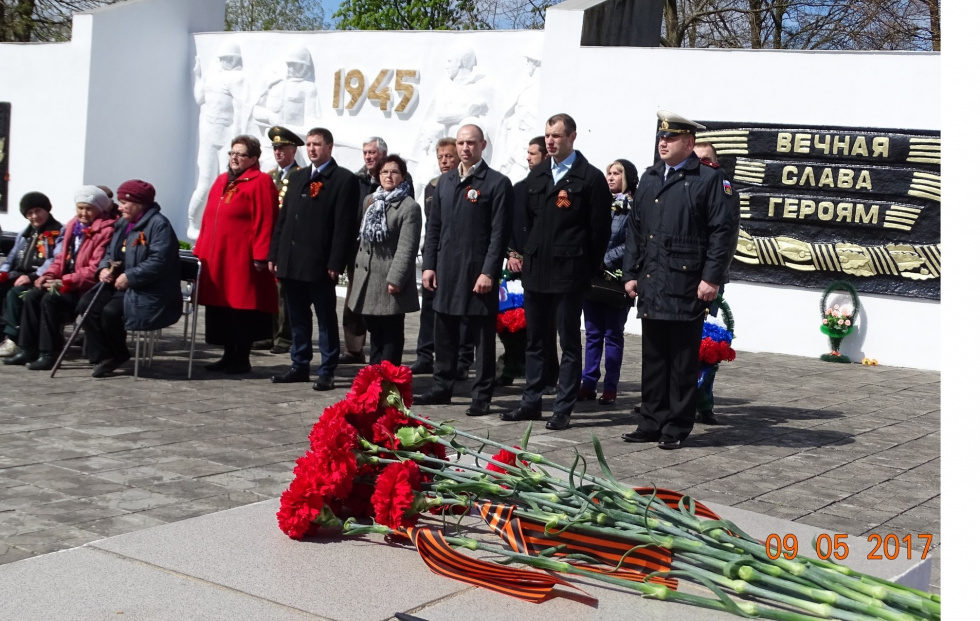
[(609, 291)]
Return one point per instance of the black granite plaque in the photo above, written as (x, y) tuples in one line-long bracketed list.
[(823, 203), (4, 154)]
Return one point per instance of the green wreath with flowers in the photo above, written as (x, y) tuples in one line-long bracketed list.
[(837, 322)]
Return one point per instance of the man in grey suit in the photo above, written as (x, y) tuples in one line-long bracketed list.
[(465, 242)]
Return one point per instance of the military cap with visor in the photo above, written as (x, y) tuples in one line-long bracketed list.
[(280, 136), (671, 124)]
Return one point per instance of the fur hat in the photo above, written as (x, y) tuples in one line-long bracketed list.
[(34, 199)]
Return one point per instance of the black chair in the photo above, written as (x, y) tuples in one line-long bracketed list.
[(190, 274)]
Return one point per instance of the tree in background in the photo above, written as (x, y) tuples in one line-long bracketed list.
[(440, 14), (273, 15), (803, 24), (41, 20)]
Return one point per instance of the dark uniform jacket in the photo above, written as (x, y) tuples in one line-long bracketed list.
[(564, 246), (679, 232), (150, 258), (465, 238), (314, 234)]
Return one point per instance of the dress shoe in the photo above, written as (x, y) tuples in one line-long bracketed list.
[(584, 394), (238, 367), (706, 418), (478, 408), (522, 413), (641, 436), (608, 397), (462, 374), (503, 380), (551, 389), (432, 397), (669, 443), (557, 421), (323, 383), (104, 368), (23, 357), (637, 409), (349, 358), (45, 362), (9, 348), (263, 344), (421, 367), (279, 349), (292, 376), (218, 365)]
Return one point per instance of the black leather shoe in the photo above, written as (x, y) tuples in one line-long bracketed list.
[(421, 367), (522, 413), (279, 349), (22, 357), (432, 397), (551, 389), (637, 409), (584, 394), (641, 436), (462, 374), (349, 358), (669, 443), (292, 376), (218, 365), (323, 383), (238, 367), (503, 380), (706, 418), (478, 408), (44, 363), (104, 368), (557, 421)]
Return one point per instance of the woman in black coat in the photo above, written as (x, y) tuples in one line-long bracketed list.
[(141, 276)]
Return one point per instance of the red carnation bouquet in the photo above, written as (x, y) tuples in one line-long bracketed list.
[(512, 321), (375, 467)]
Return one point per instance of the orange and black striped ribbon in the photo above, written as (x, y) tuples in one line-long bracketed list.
[(531, 537), (443, 559)]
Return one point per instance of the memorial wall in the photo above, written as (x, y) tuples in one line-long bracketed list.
[(835, 155)]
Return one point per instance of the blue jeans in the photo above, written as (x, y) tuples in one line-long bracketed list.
[(322, 296), (604, 325)]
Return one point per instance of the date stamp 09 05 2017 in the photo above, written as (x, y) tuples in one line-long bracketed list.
[(835, 546)]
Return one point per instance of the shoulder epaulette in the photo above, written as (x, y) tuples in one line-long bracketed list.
[(710, 163)]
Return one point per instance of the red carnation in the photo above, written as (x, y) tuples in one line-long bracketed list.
[(504, 456), (384, 428), (394, 494), (299, 505), (369, 386)]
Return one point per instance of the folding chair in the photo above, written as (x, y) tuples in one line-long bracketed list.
[(190, 274)]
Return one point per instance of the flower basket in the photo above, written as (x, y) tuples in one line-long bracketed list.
[(836, 321)]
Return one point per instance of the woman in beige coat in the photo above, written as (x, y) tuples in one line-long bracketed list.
[(383, 287)]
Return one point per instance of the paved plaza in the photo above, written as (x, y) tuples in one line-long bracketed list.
[(846, 448)]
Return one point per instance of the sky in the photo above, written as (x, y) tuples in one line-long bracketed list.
[(329, 8)]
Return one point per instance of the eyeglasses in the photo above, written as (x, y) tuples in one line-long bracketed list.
[(389, 173), (237, 154)]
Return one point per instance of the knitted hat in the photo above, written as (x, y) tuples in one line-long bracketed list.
[(136, 191), (92, 195), (632, 177), (34, 199)]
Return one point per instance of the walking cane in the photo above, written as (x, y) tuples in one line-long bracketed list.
[(78, 325)]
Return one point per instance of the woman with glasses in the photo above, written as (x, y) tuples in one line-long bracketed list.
[(236, 288), (383, 288)]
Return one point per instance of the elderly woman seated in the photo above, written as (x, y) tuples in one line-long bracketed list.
[(33, 252), (141, 276), (51, 302)]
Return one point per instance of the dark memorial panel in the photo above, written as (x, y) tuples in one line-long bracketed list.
[(823, 203), (4, 154)]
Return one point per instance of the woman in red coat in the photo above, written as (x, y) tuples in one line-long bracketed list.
[(238, 291)]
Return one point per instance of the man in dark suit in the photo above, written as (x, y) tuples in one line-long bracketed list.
[(310, 245), (568, 221), (465, 242)]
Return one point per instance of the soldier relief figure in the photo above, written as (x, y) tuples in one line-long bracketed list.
[(221, 93)]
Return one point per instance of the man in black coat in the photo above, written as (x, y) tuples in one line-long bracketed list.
[(465, 242), (568, 218), (316, 227), (679, 244)]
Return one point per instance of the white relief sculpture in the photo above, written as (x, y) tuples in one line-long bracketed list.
[(462, 98), (221, 94), (290, 100), (520, 123)]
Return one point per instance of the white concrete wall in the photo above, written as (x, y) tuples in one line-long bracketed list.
[(614, 94), (47, 86)]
